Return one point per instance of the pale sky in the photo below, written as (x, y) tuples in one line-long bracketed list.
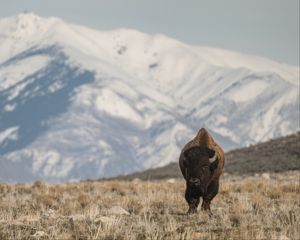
[(268, 28)]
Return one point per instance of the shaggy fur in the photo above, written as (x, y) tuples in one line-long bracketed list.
[(197, 152)]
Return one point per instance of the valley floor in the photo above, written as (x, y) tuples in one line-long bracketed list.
[(260, 207)]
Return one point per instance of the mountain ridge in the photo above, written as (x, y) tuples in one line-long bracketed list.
[(78, 103)]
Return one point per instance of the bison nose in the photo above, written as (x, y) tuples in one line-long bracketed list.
[(194, 181)]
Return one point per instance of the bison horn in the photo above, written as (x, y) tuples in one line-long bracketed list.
[(212, 155)]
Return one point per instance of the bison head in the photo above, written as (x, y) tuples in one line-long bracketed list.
[(199, 166)]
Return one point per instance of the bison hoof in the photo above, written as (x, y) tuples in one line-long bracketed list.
[(192, 211)]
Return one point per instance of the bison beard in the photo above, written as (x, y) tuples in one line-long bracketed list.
[(201, 174)]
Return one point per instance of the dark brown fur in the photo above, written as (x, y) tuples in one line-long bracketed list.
[(201, 175)]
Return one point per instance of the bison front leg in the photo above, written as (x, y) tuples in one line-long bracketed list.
[(192, 201), (212, 191), (205, 205)]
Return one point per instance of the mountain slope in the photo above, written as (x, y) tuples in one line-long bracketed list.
[(76, 103)]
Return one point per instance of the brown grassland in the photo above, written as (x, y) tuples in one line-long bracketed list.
[(261, 207)]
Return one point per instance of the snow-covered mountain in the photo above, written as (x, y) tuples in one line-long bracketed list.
[(77, 103)]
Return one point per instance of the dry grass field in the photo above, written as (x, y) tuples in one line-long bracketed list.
[(260, 207)]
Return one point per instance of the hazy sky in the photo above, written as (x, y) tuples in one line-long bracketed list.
[(268, 28)]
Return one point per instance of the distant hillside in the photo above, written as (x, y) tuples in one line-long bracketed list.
[(278, 155)]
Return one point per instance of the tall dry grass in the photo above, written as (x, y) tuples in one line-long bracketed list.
[(245, 208)]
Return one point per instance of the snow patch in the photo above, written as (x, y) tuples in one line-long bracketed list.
[(248, 91), (12, 74), (51, 159), (9, 134), (225, 132), (9, 107), (55, 86), (105, 148), (113, 104)]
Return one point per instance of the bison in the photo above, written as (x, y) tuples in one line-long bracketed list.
[(201, 162)]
